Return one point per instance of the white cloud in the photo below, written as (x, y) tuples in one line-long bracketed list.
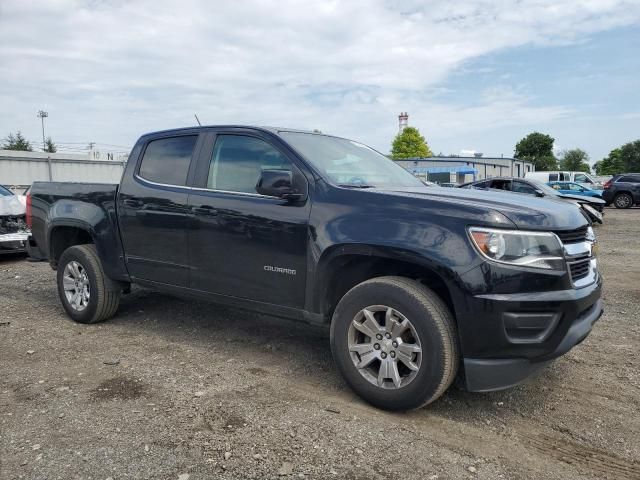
[(111, 70)]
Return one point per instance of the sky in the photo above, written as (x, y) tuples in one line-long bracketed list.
[(473, 75)]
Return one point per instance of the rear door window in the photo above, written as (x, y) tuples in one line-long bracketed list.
[(629, 179), (167, 160)]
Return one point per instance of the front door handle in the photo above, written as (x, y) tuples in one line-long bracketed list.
[(133, 202), (205, 210)]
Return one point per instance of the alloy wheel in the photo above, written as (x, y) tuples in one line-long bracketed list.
[(384, 347), (623, 201), (76, 286)]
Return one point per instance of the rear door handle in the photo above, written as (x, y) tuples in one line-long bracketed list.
[(133, 202), (205, 210)]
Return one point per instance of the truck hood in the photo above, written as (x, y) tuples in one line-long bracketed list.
[(525, 211), (583, 198), (12, 206)]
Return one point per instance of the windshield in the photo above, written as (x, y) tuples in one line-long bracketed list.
[(544, 187), (348, 163), (5, 192)]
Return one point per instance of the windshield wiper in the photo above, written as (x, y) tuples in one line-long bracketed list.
[(355, 185)]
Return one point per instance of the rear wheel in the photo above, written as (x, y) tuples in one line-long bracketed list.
[(623, 200), (394, 341), (86, 293)]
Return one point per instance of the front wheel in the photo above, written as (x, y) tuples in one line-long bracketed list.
[(394, 341), (86, 293)]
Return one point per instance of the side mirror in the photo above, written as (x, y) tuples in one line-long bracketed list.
[(539, 193), (277, 183)]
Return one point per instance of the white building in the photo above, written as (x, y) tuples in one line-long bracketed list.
[(465, 169), (462, 169)]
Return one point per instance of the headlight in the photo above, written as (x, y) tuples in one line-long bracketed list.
[(515, 247)]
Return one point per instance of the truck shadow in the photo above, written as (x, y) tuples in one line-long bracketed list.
[(269, 345)]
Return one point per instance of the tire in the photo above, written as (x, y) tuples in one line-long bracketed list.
[(103, 296), (432, 325), (623, 200)]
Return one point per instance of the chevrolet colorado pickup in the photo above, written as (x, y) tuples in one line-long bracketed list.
[(419, 285)]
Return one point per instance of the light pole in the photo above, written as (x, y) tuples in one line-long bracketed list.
[(42, 114)]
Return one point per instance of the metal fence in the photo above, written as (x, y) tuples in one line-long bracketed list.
[(18, 169)]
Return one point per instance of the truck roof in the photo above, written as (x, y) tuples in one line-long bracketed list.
[(198, 128)]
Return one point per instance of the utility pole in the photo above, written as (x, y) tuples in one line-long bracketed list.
[(42, 114)]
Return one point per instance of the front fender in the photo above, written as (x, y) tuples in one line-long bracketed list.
[(325, 273)]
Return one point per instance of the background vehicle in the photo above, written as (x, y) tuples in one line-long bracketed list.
[(14, 233), (582, 178), (622, 190), (417, 283), (571, 188), (591, 206)]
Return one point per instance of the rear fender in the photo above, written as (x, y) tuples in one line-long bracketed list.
[(97, 224)]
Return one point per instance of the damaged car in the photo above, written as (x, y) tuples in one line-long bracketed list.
[(14, 232)]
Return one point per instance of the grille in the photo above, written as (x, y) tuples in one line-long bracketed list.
[(573, 236), (579, 269)]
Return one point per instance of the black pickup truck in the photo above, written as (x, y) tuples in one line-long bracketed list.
[(420, 285)]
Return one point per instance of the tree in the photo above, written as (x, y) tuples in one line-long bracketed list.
[(17, 142), (575, 160), (409, 144), (50, 147), (610, 165), (620, 160), (538, 149), (630, 156)]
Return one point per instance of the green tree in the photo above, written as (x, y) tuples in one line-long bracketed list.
[(575, 160), (537, 148), (17, 142), (623, 159), (50, 147), (630, 156), (410, 144), (611, 164)]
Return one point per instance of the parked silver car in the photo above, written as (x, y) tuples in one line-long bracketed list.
[(14, 232)]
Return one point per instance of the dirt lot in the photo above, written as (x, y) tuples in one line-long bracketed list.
[(177, 389)]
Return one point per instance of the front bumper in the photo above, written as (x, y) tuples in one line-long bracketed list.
[(505, 337), (484, 375)]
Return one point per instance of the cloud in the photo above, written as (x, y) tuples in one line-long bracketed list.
[(111, 70)]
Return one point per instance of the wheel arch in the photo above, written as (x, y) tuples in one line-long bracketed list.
[(620, 192), (624, 192), (64, 235), (343, 267)]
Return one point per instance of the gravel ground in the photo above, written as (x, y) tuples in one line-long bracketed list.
[(177, 389)]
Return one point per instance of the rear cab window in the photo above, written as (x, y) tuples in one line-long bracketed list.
[(167, 160)]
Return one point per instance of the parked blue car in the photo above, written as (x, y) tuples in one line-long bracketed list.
[(572, 188)]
